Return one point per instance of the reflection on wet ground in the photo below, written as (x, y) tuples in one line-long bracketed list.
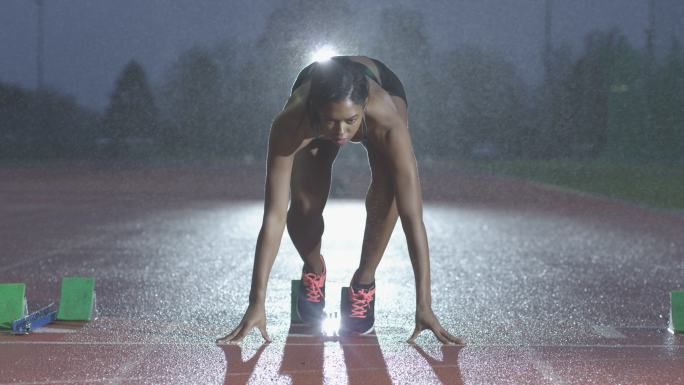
[(547, 288)]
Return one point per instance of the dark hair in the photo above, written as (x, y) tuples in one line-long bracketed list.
[(334, 80)]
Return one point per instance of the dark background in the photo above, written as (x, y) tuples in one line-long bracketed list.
[(181, 81)]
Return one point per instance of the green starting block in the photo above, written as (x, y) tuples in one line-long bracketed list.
[(77, 303), (676, 312), (77, 299), (12, 303), (294, 290)]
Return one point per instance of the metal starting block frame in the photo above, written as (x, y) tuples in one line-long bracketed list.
[(77, 302), (35, 320)]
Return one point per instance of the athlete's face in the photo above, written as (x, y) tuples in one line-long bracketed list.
[(340, 120)]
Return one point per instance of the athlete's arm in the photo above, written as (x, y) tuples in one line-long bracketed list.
[(281, 151), (404, 169), (283, 144), (403, 166)]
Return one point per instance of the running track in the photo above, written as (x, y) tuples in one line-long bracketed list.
[(545, 285)]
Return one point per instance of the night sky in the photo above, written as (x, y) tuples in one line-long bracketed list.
[(89, 41)]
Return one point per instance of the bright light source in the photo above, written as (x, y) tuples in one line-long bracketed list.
[(324, 53), (331, 325)]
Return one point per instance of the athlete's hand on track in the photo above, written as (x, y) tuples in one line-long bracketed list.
[(426, 319), (255, 316)]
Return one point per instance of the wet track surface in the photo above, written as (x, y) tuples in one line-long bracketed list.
[(545, 286)]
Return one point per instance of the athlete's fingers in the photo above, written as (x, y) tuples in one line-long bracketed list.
[(242, 333), (413, 337), (439, 336), (264, 334), (453, 338), (235, 331), (227, 339)]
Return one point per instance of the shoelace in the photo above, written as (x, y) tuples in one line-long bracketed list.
[(313, 284), (360, 301)]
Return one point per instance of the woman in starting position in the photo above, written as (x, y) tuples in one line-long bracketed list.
[(334, 102)]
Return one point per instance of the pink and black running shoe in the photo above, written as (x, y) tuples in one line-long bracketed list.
[(311, 296), (358, 309)]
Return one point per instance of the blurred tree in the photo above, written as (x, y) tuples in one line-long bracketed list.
[(609, 93), (553, 133), (230, 57), (491, 103), (192, 101), (15, 124), (252, 117), (403, 46), (627, 107), (67, 130), (590, 85), (44, 125), (668, 107), (130, 120), (447, 131)]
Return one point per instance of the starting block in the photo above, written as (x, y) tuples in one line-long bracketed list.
[(294, 314), (330, 322), (676, 312), (34, 320), (12, 303), (77, 303), (77, 299), (294, 296)]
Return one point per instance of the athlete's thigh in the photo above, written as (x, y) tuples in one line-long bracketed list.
[(311, 174)]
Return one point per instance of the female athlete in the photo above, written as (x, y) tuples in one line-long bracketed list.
[(334, 102)]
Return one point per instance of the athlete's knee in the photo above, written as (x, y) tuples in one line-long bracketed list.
[(305, 206), (302, 227), (303, 215)]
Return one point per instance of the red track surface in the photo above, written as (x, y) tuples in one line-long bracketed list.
[(546, 286)]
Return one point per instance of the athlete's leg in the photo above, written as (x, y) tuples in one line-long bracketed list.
[(381, 211), (310, 186), (381, 217)]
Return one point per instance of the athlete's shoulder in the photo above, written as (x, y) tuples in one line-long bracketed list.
[(292, 123), (381, 109), (297, 102)]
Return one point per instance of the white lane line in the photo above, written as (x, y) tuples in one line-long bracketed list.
[(53, 330), (544, 368), (607, 331), (101, 380), (128, 366), (133, 343), (547, 371), (302, 335), (42, 330)]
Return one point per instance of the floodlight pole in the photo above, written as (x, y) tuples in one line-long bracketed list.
[(650, 35), (40, 45), (548, 8)]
